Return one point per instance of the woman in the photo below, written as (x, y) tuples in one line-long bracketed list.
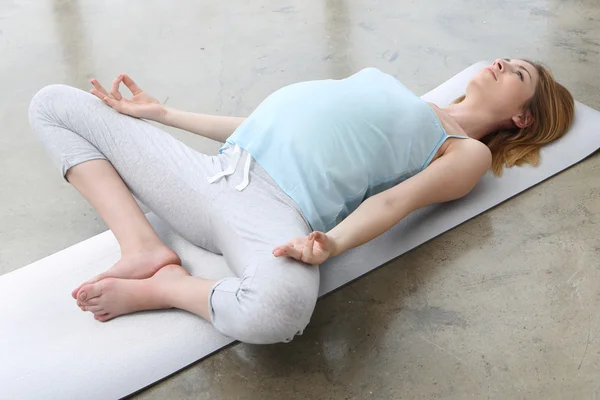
[(324, 166)]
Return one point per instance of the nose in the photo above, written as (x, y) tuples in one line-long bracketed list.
[(500, 64)]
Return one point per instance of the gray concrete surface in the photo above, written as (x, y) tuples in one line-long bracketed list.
[(503, 307)]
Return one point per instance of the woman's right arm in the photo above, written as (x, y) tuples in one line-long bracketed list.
[(142, 105), (210, 126)]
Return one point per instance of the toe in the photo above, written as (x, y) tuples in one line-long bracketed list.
[(103, 318), (93, 302), (89, 292), (75, 293), (97, 310)]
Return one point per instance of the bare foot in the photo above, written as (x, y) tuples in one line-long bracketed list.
[(112, 297), (139, 265)]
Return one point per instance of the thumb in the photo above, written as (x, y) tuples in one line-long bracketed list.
[(321, 238)]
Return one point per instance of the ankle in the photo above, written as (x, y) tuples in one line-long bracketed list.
[(141, 246), (157, 248), (157, 293)]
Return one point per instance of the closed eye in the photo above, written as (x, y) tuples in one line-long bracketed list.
[(519, 73)]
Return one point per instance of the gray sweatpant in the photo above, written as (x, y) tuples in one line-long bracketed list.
[(271, 299)]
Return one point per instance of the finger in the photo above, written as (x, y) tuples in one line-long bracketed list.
[(111, 102), (98, 94), (131, 85), (293, 253), (98, 86), (281, 250), (307, 252), (114, 92)]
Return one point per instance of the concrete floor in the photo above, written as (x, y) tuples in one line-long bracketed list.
[(503, 307)]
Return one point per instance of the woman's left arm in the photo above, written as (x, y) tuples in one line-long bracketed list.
[(451, 176)]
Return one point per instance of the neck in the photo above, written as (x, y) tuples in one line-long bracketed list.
[(476, 121)]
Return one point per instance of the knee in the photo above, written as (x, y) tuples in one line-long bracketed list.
[(279, 314), (48, 102), (270, 313)]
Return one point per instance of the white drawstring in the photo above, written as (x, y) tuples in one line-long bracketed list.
[(233, 162), (235, 158), (246, 180)]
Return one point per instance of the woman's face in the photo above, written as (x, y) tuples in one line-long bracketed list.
[(505, 86)]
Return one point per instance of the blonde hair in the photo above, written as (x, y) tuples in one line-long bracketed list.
[(552, 108)]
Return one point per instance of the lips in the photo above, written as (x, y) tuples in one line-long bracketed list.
[(492, 72)]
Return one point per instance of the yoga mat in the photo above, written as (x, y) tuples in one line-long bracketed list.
[(49, 349)]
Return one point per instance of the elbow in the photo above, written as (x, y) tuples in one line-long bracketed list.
[(397, 207)]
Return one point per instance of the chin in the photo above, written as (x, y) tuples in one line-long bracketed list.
[(479, 84), (474, 85)]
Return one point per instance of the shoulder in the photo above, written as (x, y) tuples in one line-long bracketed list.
[(472, 152), (451, 176)]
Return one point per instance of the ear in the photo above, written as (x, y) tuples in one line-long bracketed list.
[(523, 120)]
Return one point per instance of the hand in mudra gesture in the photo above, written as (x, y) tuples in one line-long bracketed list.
[(313, 249), (140, 105)]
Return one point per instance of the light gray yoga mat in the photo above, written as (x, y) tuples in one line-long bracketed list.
[(49, 349)]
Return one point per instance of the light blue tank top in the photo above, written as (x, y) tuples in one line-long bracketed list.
[(331, 144)]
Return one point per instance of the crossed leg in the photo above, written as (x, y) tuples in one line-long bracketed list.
[(82, 134)]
